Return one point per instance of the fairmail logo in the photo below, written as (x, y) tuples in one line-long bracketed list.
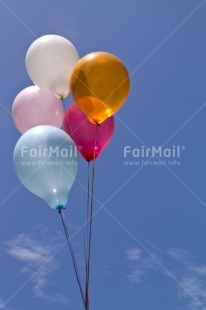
[(154, 152), (45, 152)]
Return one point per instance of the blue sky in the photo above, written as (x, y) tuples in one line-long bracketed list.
[(149, 230)]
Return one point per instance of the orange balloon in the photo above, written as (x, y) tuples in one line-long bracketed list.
[(99, 85)]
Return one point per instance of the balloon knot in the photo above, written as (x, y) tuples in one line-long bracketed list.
[(60, 208), (61, 97)]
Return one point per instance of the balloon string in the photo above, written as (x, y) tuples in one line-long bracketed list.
[(90, 227), (87, 216), (88, 199), (63, 103), (86, 237), (84, 230), (72, 255)]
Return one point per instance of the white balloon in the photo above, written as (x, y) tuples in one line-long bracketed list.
[(49, 62)]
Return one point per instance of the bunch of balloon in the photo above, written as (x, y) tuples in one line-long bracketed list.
[(45, 157), (99, 86)]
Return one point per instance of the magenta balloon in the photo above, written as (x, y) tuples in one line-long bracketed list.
[(34, 106), (84, 133)]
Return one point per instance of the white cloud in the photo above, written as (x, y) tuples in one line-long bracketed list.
[(194, 282), (195, 286), (190, 276), (24, 248), (135, 277), (36, 255), (134, 254), (179, 255), (139, 264), (199, 270), (192, 291)]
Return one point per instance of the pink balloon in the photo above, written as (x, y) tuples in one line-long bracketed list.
[(85, 134), (34, 106)]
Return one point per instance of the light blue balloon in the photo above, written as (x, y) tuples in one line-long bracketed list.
[(46, 163)]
